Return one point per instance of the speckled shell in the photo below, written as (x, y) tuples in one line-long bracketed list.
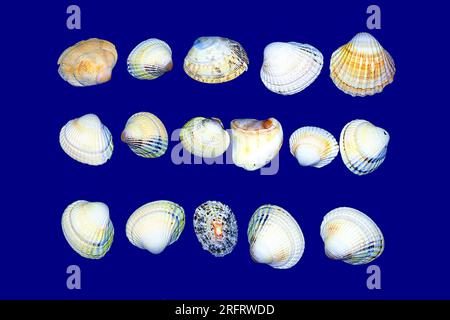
[(88, 62), (362, 67), (215, 60)]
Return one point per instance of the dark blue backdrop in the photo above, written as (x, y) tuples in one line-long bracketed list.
[(39, 180)]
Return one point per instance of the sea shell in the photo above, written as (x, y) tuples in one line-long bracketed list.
[(205, 137), (362, 67), (255, 143), (88, 228), (275, 237), (155, 225), (216, 228), (146, 135), (150, 59), (215, 60), (290, 67), (363, 146), (87, 140), (88, 62), (313, 146), (351, 236)]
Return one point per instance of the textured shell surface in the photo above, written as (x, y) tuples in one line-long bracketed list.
[(275, 237), (88, 62), (155, 225), (313, 146), (88, 229), (363, 146), (146, 135), (87, 140), (362, 67), (351, 236), (290, 67), (255, 142), (205, 137), (215, 60), (216, 228), (150, 59)]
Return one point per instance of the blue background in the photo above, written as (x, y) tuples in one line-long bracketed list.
[(39, 180)]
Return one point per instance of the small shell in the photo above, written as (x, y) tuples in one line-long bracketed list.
[(255, 143), (362, 67), (313, 146), (215, 60), (216, 228), (205, 137), (146, 135), (363, 146), (87, 140), (88, 228), (290, 67), (351, 236), (155, 225), (88, 62), (275, 237), (150, 59)]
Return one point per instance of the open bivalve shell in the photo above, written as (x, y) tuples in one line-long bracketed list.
[(87, 140), (155, 225), (351, 236), (275, 237), (88, 228)]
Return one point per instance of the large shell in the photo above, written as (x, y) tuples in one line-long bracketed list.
[(88, 62), (255, 143), (205, 137), (275, 237), (146, 135), (362, 67), (215, 60), (150, 59), (155, 225), (216, 228), (313, 146), (351, 236), (363, 146), (87, 140), (290, 67), (88, 228)]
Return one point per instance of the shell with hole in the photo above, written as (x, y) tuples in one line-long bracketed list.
[(150, 59), (351, 236), (205, 137), (363, 146), (146, 135), (87, 140), (290, 67), (362, 67), (88, 62), (88, 229), (216, 228), (313, 146), (255, 142), (215, 60), (155, 225), (275, 237)]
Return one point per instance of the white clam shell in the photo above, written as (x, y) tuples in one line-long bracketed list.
[(275, 237), (87, 140), (290, 67), (155, 225), (205, 137), (254, 142), (88, 228), (313, 146), (363, 146), (351, 236)]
